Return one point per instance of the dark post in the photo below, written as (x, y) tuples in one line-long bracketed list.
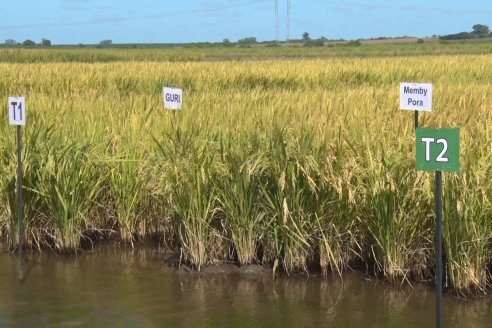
[(19, 202), (416, 119), (438, 246)]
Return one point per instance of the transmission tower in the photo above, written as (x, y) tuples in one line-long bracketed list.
[(276, 22), (287, 28)]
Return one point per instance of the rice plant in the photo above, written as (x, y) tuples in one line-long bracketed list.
[(68, 184), (193, 192), (288, 163), (128, 192), (467, 231), (239, 198), (289, 193)]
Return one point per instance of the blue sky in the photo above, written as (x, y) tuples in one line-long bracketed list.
[(166, 21)]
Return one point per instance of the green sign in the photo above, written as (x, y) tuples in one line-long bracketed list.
[(438, 149)]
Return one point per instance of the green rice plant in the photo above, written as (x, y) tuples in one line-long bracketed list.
[(128, 192), (34, 139), (156, 212), (397, 226), (337, 180), (336, 216), (68, 184), (239, 198), (467, 230), (289, 193), (189, 162), (8, 169), (194, 207)]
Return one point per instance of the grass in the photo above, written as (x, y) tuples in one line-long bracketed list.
[(197, 53), (292, 164)]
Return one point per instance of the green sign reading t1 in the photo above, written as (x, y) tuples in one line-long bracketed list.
[(438, 149)]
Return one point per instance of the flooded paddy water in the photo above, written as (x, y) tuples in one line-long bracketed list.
[(114, 286)]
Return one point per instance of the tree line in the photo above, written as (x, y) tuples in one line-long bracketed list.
[(28, 43), (480, 31)]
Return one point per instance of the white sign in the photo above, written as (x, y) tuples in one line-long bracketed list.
[(17, 111), (416, 96), (173, 98)]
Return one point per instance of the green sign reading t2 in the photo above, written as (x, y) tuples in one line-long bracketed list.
[(438, 149)]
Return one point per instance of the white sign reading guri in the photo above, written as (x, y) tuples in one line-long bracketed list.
[(173, 98)]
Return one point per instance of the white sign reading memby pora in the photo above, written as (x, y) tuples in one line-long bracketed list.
[(173, 98), (416, 96), (17, 111)]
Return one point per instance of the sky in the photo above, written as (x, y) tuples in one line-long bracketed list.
[(183, 21)]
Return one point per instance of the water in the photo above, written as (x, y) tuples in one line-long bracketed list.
[(115, 287)]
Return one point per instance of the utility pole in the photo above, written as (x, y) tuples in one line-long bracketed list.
[(287, 30), (277, 30)]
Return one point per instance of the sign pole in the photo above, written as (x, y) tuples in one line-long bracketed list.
[(17, 116), (20, 213), (438, 246), (438, 150), (416, 119)]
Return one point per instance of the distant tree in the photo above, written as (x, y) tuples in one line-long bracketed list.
[(420, 41), (314, 43), (249, 40), (106, 42), (226, 42), (305, 36), (29, 43), (46, 43), (458, 36), (481, 29), (10, 42)]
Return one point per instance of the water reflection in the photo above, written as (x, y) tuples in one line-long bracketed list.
[(119, 287)]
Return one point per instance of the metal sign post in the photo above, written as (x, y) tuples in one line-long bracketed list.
[(20, 214), (438, 248), (17, 116), (438, 150)]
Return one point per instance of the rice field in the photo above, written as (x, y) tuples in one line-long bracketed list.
[(292, 164)]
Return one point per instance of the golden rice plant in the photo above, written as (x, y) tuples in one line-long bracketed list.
[(299, 161)]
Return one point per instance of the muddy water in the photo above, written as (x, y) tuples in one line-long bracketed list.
[(114, 287)]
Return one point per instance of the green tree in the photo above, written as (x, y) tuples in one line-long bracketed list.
[(249, 40), (29, 43), (46, 43), (481, 29), (305, 36)]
